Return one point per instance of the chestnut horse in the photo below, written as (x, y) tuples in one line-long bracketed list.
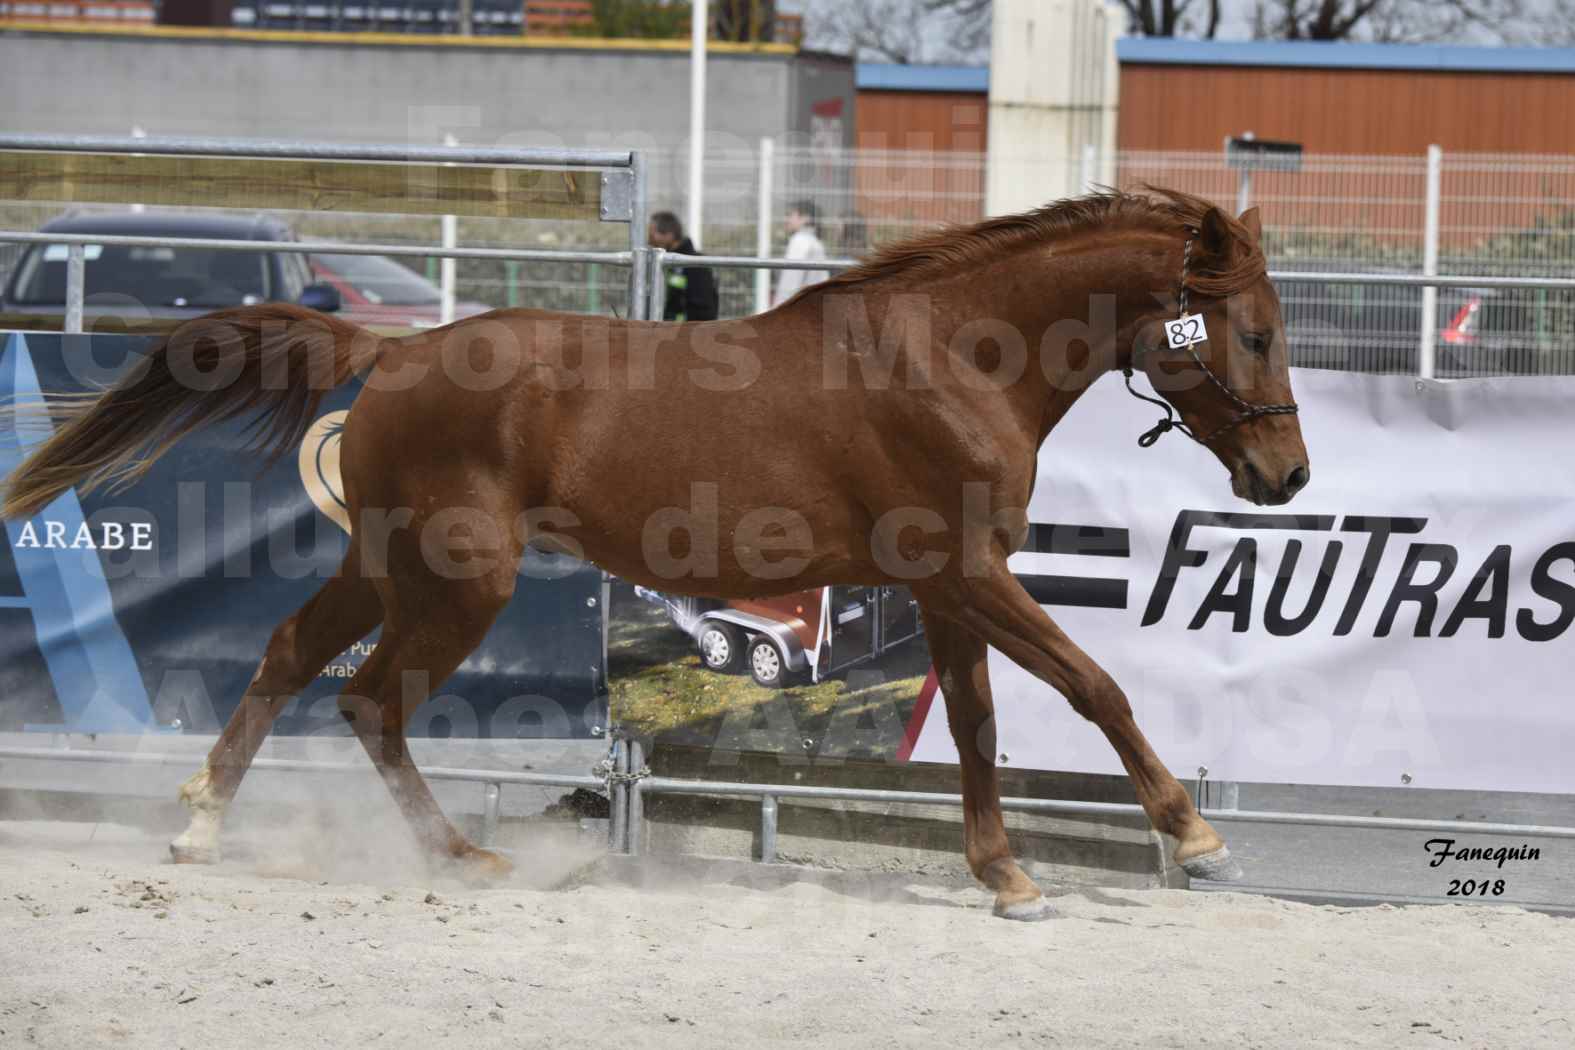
[(880, 427)]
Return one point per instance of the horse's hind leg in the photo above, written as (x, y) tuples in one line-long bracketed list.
[(960, 658), (433, 623), (998, 609), (343, 612)]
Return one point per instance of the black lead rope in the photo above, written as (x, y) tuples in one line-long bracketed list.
[(1172, 421)]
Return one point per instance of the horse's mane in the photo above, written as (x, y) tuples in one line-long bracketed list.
[(954, 246)]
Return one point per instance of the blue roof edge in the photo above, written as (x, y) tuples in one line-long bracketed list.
[(1303, 54), (891, 76), (1334, 55)]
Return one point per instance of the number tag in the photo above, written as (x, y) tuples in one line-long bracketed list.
[(1186, 330)]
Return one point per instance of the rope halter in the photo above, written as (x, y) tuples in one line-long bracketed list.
[(1245, 410)]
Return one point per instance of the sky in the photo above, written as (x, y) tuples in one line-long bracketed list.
[(1236, 23)]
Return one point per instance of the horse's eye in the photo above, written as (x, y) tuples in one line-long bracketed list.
[(1258, 344)]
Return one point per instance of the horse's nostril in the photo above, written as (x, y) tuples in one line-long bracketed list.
[(1296, 480)]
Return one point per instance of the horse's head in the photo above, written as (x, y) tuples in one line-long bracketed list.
[(1232, 388)]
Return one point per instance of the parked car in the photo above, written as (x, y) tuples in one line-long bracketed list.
[(1367, 328), (1525, 331), (374, 289), (808, 634), (1376, 328), (139, 282)]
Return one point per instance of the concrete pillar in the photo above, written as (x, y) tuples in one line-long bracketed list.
[(1054, 84)]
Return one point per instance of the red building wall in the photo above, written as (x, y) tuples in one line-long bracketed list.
[(1175, 107), (922, 120)]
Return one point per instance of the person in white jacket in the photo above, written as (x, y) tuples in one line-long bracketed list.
[(803, 243)]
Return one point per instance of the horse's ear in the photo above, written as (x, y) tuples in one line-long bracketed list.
[(1253, 223), (1214, 235)]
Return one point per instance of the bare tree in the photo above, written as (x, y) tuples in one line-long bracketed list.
[(1174, 17), (968, 23), (904, 31), (881, 30), (1541, 22), (959, 30), (1387, 21)]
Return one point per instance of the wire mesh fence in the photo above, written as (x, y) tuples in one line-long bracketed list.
[(1498, 215)]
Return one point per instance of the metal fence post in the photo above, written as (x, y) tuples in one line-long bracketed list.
[(1088, 178), (639, 263), (511, 278), (636, 798), (1243, 178), (1427, 359), (638, 233), (699, 32), (763, 228), (768, 829), (616, 798), (450, 236), (76, 286), (446, 280), (656, 284), (492, 805)]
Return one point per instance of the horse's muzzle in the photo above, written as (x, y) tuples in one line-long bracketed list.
[(1251, 485)]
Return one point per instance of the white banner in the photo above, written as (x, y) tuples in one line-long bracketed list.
[(1406, 620)]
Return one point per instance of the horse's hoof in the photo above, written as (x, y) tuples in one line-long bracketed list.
[(193, 854), (481, 865), (1215, 866), (1035, 909)]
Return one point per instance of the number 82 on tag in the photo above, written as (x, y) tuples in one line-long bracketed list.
[(1186, 330)]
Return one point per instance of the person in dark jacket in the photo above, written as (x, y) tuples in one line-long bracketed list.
[(691, 290)]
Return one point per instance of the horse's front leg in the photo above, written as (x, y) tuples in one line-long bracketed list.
[(960, 658), (994, 606)]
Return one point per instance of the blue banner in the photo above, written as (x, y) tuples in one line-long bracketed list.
[(148, 609)]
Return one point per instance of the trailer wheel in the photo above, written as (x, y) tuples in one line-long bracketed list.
[(766, 665), (721, 647)]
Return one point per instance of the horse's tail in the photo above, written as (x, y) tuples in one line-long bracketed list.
[(274, 363)]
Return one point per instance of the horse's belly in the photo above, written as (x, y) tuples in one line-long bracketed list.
[(703, 544)]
